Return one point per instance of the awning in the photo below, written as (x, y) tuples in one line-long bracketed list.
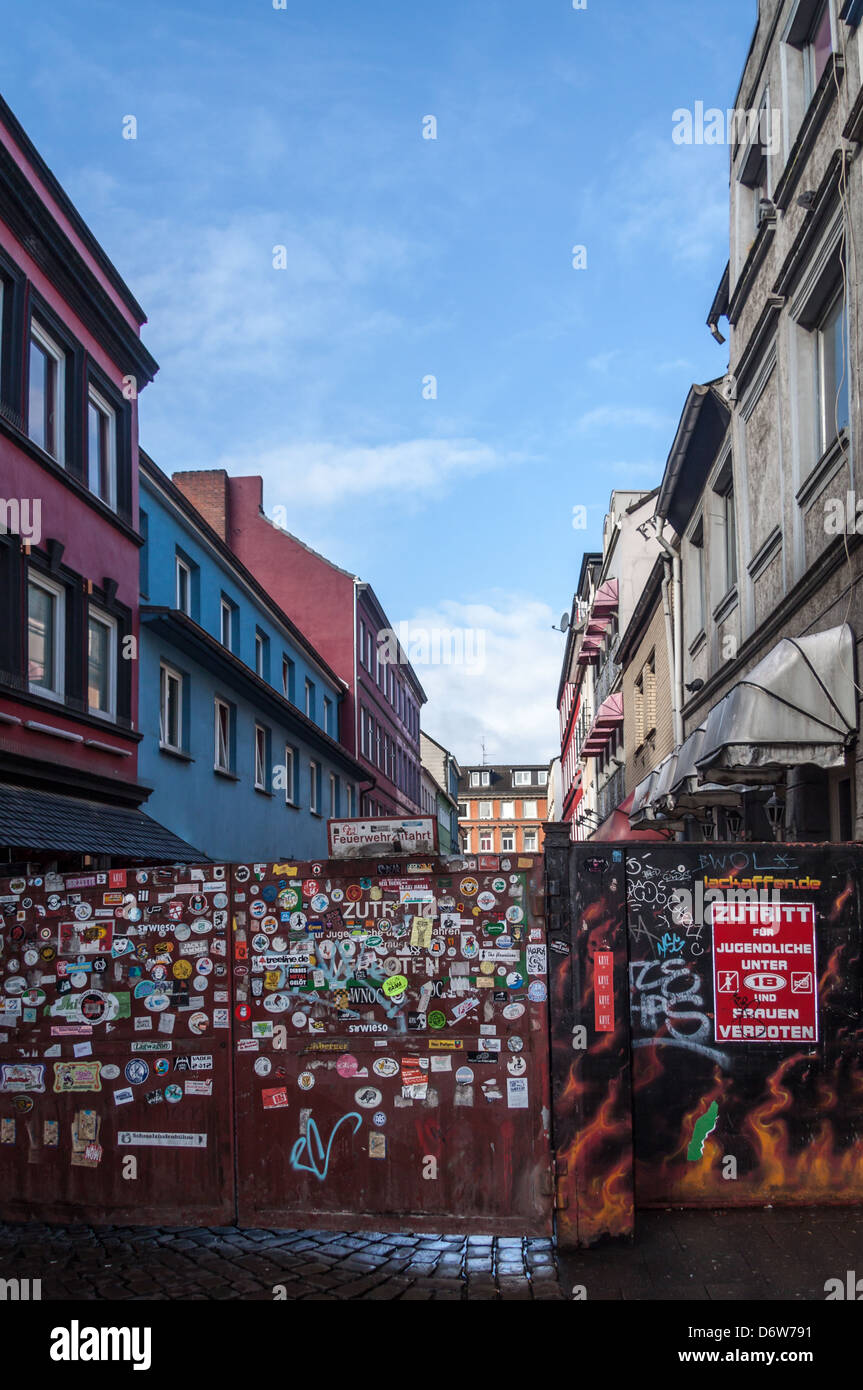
[(685, 792), (617, 826), (610, 713), (647, 809), (606, 601), (796, 707), (45, 821)]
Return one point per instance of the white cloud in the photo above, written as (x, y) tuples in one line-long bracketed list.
[(605, 416), (507, 692), (325, 474)]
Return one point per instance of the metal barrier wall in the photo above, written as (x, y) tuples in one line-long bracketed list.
[(367, 1044), (742, 969), (115, 1077), (392, 1045)]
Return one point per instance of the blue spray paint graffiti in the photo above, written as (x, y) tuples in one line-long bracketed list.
[(304, 1145)]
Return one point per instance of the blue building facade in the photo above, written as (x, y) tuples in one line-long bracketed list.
[(239, 714)]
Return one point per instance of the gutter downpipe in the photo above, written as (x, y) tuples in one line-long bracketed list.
[(673, 631)]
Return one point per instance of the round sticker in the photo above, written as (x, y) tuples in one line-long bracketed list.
[(537, 992), (486, 901), (368, 1097), (385, 1066), (436, 946), (347, 1064), (23, 1104), (514, 980), (258, 909), (260, 942), (181, 969), (464, 1076), (160, 1066), (437, 1019), (468, 886), (200, 983), (469, 947), (142, 989), (395, 985), (157, 1001), (298, 921), (514, 914), (243, 1012), (277, 1003), (201, 926), (515, 1044), (136, 1071), (299, 1020), (336, 895), (263, 1066), (182, 931), (269, 893), (173, 1093), (379, 1118), (33, 998), (499, 885), (109, 1071), (198, 1023), (306, 1080), (513, 1011), (204, 965), (320, 902), (198, 903), (241, 873), (31, 957), (16, 984), (290, 898), (93, 1007), (83, 911), (516, 1066), (486, 967), (220, 900), (353, 893)]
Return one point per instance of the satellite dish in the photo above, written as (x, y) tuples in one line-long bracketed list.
[(564, 623)]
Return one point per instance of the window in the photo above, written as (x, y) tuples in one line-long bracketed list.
[(290, 775), (101, 448), (314, 788), (310, 698), (699, 596), (730, 519), (262, 654), (464, 810), (507, 810), (832, 372), (222, 760), (46, 633), (349, 800), (362, 643), (227, 617), (542, 777), (101, 664), (465, 841), (817, 49), (529, 810), (486, 842), (474, 779), (171, 708), (260, 758), (47, 393), (531, 841), (328, 715), (184, 587), (507, 842), (288, 679), (521, 779), (334, 795), (486, 810)]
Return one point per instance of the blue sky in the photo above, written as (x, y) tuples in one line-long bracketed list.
[(407, 258)]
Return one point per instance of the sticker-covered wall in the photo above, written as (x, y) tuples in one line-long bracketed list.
[(340, 1043), (392, 1044), (115, 1013)]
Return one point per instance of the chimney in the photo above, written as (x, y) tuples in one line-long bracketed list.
[(207, 490)]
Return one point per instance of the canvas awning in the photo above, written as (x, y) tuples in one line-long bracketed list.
[(798, 706), (606, 601), (618, 826), (685, 792)]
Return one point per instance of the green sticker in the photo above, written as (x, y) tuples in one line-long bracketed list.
[(396, 984), (437, 1019)]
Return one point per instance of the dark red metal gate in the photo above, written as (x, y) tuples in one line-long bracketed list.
[(392, 1046)]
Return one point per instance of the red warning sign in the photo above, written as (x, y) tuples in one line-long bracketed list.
[(764, 972), (603, 991)]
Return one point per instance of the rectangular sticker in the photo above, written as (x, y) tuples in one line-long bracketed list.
[(146, 1140), (765, 973)]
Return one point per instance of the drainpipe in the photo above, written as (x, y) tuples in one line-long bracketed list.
[(671, 605)]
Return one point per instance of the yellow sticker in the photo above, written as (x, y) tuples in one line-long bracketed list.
[(288, 869)]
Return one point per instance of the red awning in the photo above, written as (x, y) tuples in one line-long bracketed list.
[(597, 627), (617, 827), (607, 599), (587, 658), (610, 713)]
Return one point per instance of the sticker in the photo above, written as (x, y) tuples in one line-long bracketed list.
[(516, 1066), (486, 901), (77, 1076), (124, 1096), (513, 1011), (22, 1076), (379, 1118), (198, 1023), (515, 980), (136, 1071), (275, 1099), (306, 1080), (464, 1076), (385, 1066), (537, 992), (347, 1065), (395, 985), (468, 887), (7, 1131), (162, 1065), (377, 1145), (516, 1093), (129, 1139), (515, 1044), (199, 1087), (368, 1097), (173, 1093)]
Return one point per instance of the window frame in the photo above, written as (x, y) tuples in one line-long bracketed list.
[(57, 592), (226, 608), (51, 348), (260, 757), (97, 402), (182, 567), (291, 762), (226, 767), (827, 431), (168, 673), (314, 788), (97, 615)]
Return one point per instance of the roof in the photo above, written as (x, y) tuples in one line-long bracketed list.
[(46, 821), (703, 426), (500, 780)]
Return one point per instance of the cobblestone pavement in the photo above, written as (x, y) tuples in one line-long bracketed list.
[(681, 1256), (112, 1262)]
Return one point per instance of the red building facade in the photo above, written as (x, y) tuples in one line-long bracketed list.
[(71, 366), (343, 619)]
